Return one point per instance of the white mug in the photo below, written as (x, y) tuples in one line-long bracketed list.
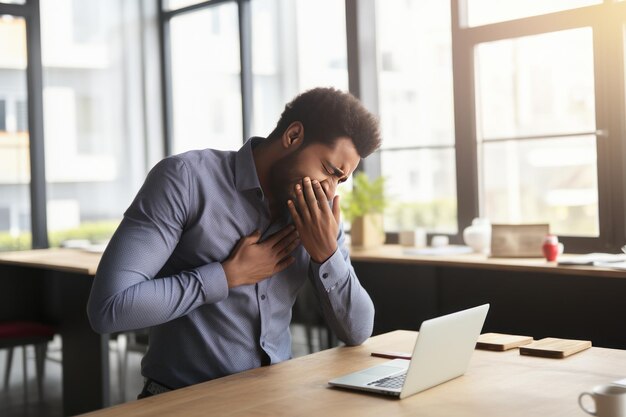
[(439, 241), (610, 401)]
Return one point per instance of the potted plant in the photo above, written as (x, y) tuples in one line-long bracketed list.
[(363, 208)]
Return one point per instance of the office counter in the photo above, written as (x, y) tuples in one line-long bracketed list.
[(527, 296)]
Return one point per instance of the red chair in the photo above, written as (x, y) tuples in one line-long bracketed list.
[(25, 333)]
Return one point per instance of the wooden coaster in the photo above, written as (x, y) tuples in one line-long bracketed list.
[(551, 347), (501, 342)]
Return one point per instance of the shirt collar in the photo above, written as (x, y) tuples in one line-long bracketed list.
[(246, 177)]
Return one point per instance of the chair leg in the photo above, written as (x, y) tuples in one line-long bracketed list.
[(309, 337), (122, 361), (7, 372), (40, 361), (25, 372)]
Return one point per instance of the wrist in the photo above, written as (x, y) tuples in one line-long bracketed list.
[(320, 258), (228, 268)]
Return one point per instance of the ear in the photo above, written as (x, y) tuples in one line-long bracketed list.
[(293, 136)]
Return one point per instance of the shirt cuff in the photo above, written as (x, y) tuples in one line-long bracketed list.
[(214, 282), (332, 272)]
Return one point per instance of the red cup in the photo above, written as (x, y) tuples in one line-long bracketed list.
[(550, 247)]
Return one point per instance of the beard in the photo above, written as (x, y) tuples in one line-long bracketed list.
[(283, 177)]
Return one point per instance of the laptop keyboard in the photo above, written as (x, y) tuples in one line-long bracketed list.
[(390, 381)]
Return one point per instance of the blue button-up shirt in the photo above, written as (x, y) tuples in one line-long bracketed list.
[(162, 269)]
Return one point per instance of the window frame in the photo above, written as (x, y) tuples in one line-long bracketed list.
[(609, 31), (608, 49), (608, 44), (165, 16)]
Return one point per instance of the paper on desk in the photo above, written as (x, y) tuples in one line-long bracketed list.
[(613, 265), (596, 259)]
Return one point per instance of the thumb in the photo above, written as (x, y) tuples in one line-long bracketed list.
[(336, 209), (253, 237)]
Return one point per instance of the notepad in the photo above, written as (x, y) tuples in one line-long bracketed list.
[(551, 347), (501, 342)]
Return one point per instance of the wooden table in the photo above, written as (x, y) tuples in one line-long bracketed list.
[(53, 285), (496, 384)]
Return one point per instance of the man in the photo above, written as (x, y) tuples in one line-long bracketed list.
[(216, 245)]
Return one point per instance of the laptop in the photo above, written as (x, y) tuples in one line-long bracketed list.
[(442, 352)]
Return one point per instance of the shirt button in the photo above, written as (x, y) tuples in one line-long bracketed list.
[(263, 344), (263, 297), (325, 275)]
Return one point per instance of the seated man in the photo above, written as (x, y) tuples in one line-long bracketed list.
[(216, 245)]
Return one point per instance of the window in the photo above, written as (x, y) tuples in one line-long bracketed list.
[(14, 139), (290, 54), (509, 110), (94, 150), (206, 89), (21, 115), (416, 113), (536, 128), (538, 102)]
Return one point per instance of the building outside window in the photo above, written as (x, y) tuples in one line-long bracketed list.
[(416, 106), (14, 139), (94, 150)]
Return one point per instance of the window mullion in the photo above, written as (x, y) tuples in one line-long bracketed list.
[(245, 50), (467, 186), (609, 82), (362, 68), (34, 76)]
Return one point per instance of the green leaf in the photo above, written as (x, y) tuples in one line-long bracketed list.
[(366, 197)]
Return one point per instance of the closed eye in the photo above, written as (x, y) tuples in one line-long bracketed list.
[(328, 171), (333, 170)]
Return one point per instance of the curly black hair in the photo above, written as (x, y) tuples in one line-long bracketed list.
[(327, 114)]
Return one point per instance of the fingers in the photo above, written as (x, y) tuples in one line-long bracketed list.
[(253, 237), (320, 195), (311, 200), (280, 235), (327, 190), (284, 263), (285, 241), (336, 209), (305, 213), (294, 214), (287, 247)]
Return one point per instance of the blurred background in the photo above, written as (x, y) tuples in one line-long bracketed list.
[(500, 109), (508, 110)]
